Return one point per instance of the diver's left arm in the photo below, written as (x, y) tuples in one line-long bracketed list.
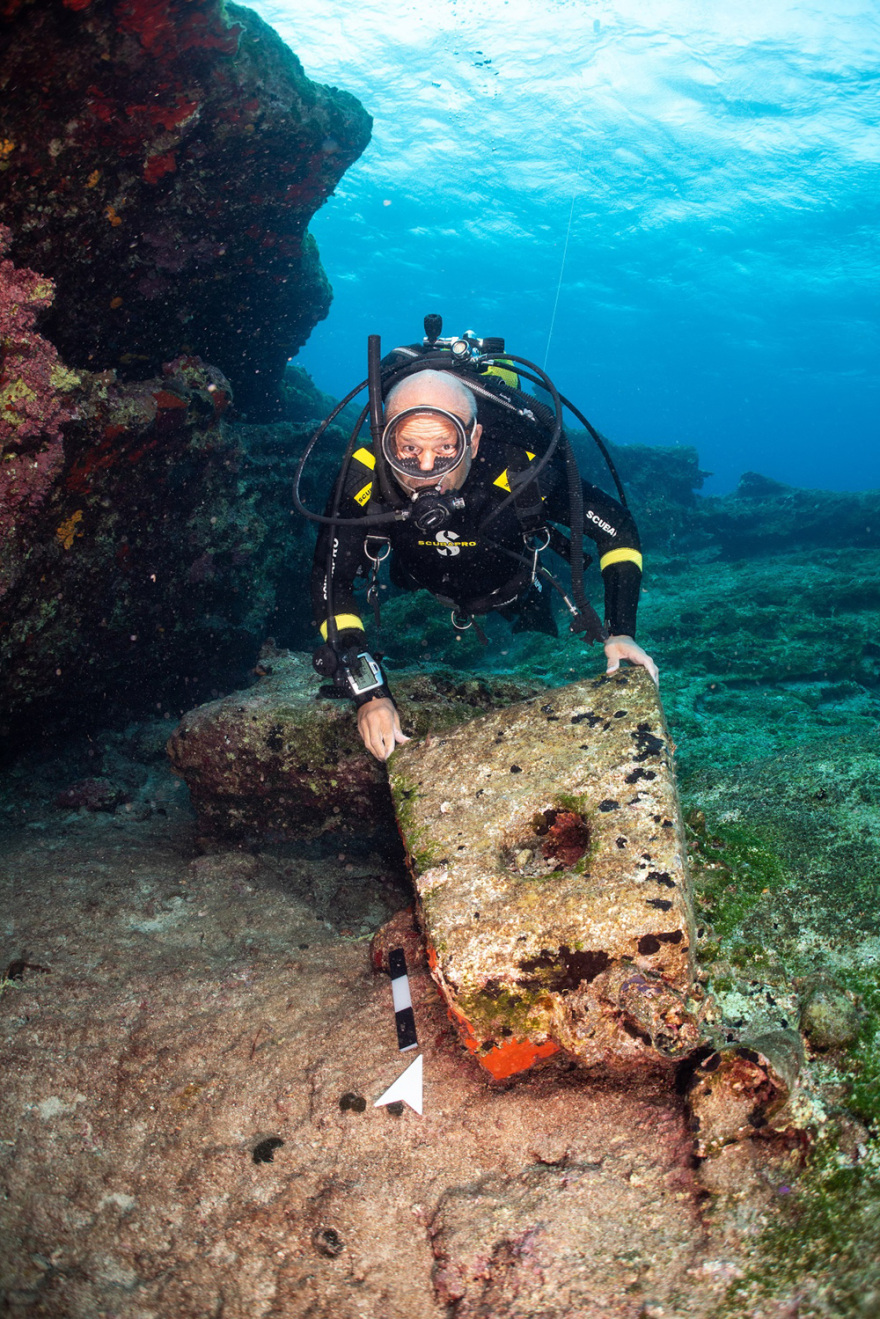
[(614, 531)]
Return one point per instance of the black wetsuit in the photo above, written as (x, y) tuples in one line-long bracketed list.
[(465, 567)]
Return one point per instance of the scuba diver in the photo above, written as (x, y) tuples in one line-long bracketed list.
[(467, 480)]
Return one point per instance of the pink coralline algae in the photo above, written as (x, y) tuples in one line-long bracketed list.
[(34, 401)]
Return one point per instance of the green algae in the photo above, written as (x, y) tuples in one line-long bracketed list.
[(505, 1010), (419, 843), (863, 1057), (783, 894), (734, 869), (825, 1228)]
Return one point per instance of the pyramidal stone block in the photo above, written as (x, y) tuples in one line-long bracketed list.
[(546, 847)]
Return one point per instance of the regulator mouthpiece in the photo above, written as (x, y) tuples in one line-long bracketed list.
[(431, 511)]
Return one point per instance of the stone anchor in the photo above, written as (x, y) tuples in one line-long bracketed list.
[(547, 852)]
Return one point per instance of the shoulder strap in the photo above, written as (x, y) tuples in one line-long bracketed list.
[(527, 499)]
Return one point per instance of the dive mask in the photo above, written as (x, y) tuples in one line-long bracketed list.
[(395, 455)]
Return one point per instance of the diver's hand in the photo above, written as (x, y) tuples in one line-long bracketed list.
[(624, 648), (379, 727)]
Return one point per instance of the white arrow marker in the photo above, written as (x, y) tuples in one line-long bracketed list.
[(407, 1087)]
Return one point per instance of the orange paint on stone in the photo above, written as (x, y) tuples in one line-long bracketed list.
[(502, 1060), (515, 1056)]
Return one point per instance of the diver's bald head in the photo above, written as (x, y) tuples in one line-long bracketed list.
[(433, 389)]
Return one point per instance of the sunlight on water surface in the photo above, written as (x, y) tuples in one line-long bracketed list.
[(709, 174)]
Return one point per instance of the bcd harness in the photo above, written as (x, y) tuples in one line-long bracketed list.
[(354, 672), (517, 410), (537, 536)]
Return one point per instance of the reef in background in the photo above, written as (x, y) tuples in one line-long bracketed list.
[(161, 163)]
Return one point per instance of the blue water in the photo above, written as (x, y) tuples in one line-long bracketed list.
[(674, 205)]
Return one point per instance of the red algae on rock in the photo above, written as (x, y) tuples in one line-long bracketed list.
[(35, 389), (164, 160)]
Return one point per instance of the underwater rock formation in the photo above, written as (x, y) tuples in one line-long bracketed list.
[(763, 515), (546, 848), (742, 1090), (160, 160), (35, 390), (276, 761), (144, 565), (159, 164), (760, 517)]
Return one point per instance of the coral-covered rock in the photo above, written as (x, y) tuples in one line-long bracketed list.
[(146, 572), (35, 390), (161, 162), (276, 760), (93, 794), (546, 847), (744, 1089)]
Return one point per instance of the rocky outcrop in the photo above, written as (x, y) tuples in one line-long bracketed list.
[(547, 854), (763, 516), (144, 553), (35, 390), (160, 160), (742, 1090), (146, 548), (159, 164), (277, 761)]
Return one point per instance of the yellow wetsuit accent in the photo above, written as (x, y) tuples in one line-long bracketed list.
[(365, 456), (620, 556), (503, 480), (363, 496), (343, 622)]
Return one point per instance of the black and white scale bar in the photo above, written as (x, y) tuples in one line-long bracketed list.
[(404, 1017)]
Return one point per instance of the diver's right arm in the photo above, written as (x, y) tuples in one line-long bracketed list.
[(377, 718), (379, 727)]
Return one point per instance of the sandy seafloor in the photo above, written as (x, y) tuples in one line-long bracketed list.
[(185, 1005)]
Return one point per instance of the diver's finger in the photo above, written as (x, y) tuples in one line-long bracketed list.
[(647, 663), (373, 746), (374, 739), (613, 665)]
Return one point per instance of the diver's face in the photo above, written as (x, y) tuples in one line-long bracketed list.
[(427, 441)]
